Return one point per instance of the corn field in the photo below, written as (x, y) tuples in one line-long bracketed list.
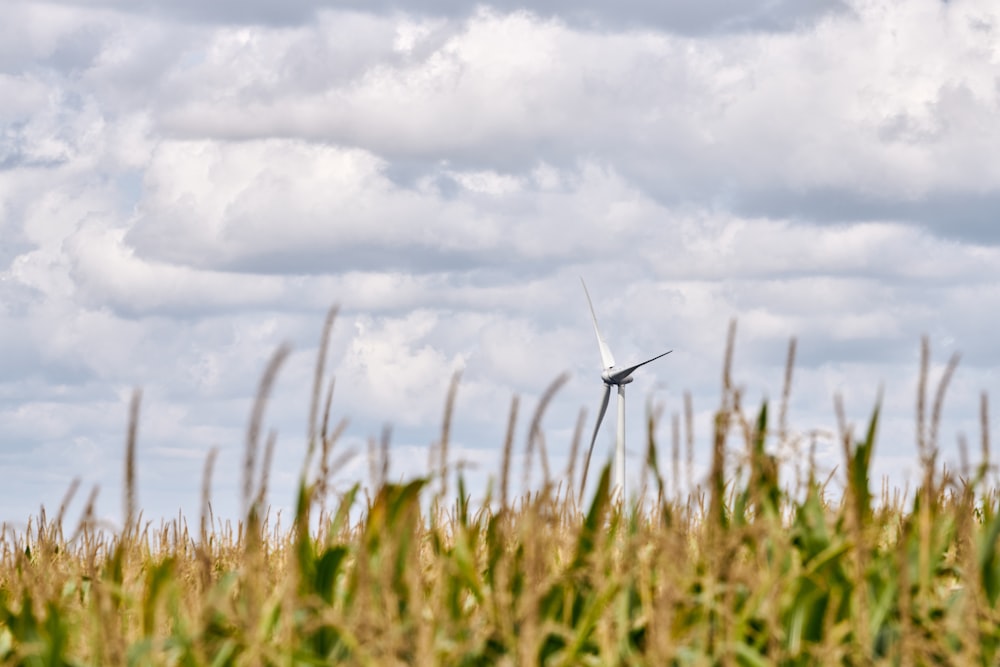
[(742, 570)]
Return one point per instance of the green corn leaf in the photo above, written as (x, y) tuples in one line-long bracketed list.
[(327, 568), (748, 656), (157, 578), (860, 466), (989, 560), (595, 518)]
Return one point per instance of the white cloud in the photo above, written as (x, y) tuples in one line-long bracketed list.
[(218, 205), (106, 272), (808, 109)]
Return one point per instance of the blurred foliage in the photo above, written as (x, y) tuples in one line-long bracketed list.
[(740, 570)]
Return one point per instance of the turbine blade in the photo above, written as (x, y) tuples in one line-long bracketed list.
[(625, 372), (606, 357), (593, 439)]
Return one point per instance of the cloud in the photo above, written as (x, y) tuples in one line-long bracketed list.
[(217, 205), (183, 188), (712, 16), (105, 272), (952, 213), (753, 122)]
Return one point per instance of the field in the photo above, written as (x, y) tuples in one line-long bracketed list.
[(749, 569)]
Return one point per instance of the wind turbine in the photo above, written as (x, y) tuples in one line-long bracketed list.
[(612, 376)]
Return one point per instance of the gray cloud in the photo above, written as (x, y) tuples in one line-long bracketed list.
[(711, 16), (964, 215)]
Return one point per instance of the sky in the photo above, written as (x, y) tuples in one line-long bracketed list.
[(185, 186)]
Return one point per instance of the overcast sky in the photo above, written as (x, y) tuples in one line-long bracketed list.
[(186, 185)]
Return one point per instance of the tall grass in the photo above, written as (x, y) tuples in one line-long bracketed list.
[(741, 571)]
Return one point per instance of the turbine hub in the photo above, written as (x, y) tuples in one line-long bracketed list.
[(609, 377)]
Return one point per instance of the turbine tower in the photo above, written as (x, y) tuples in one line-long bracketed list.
[(612, 376)]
